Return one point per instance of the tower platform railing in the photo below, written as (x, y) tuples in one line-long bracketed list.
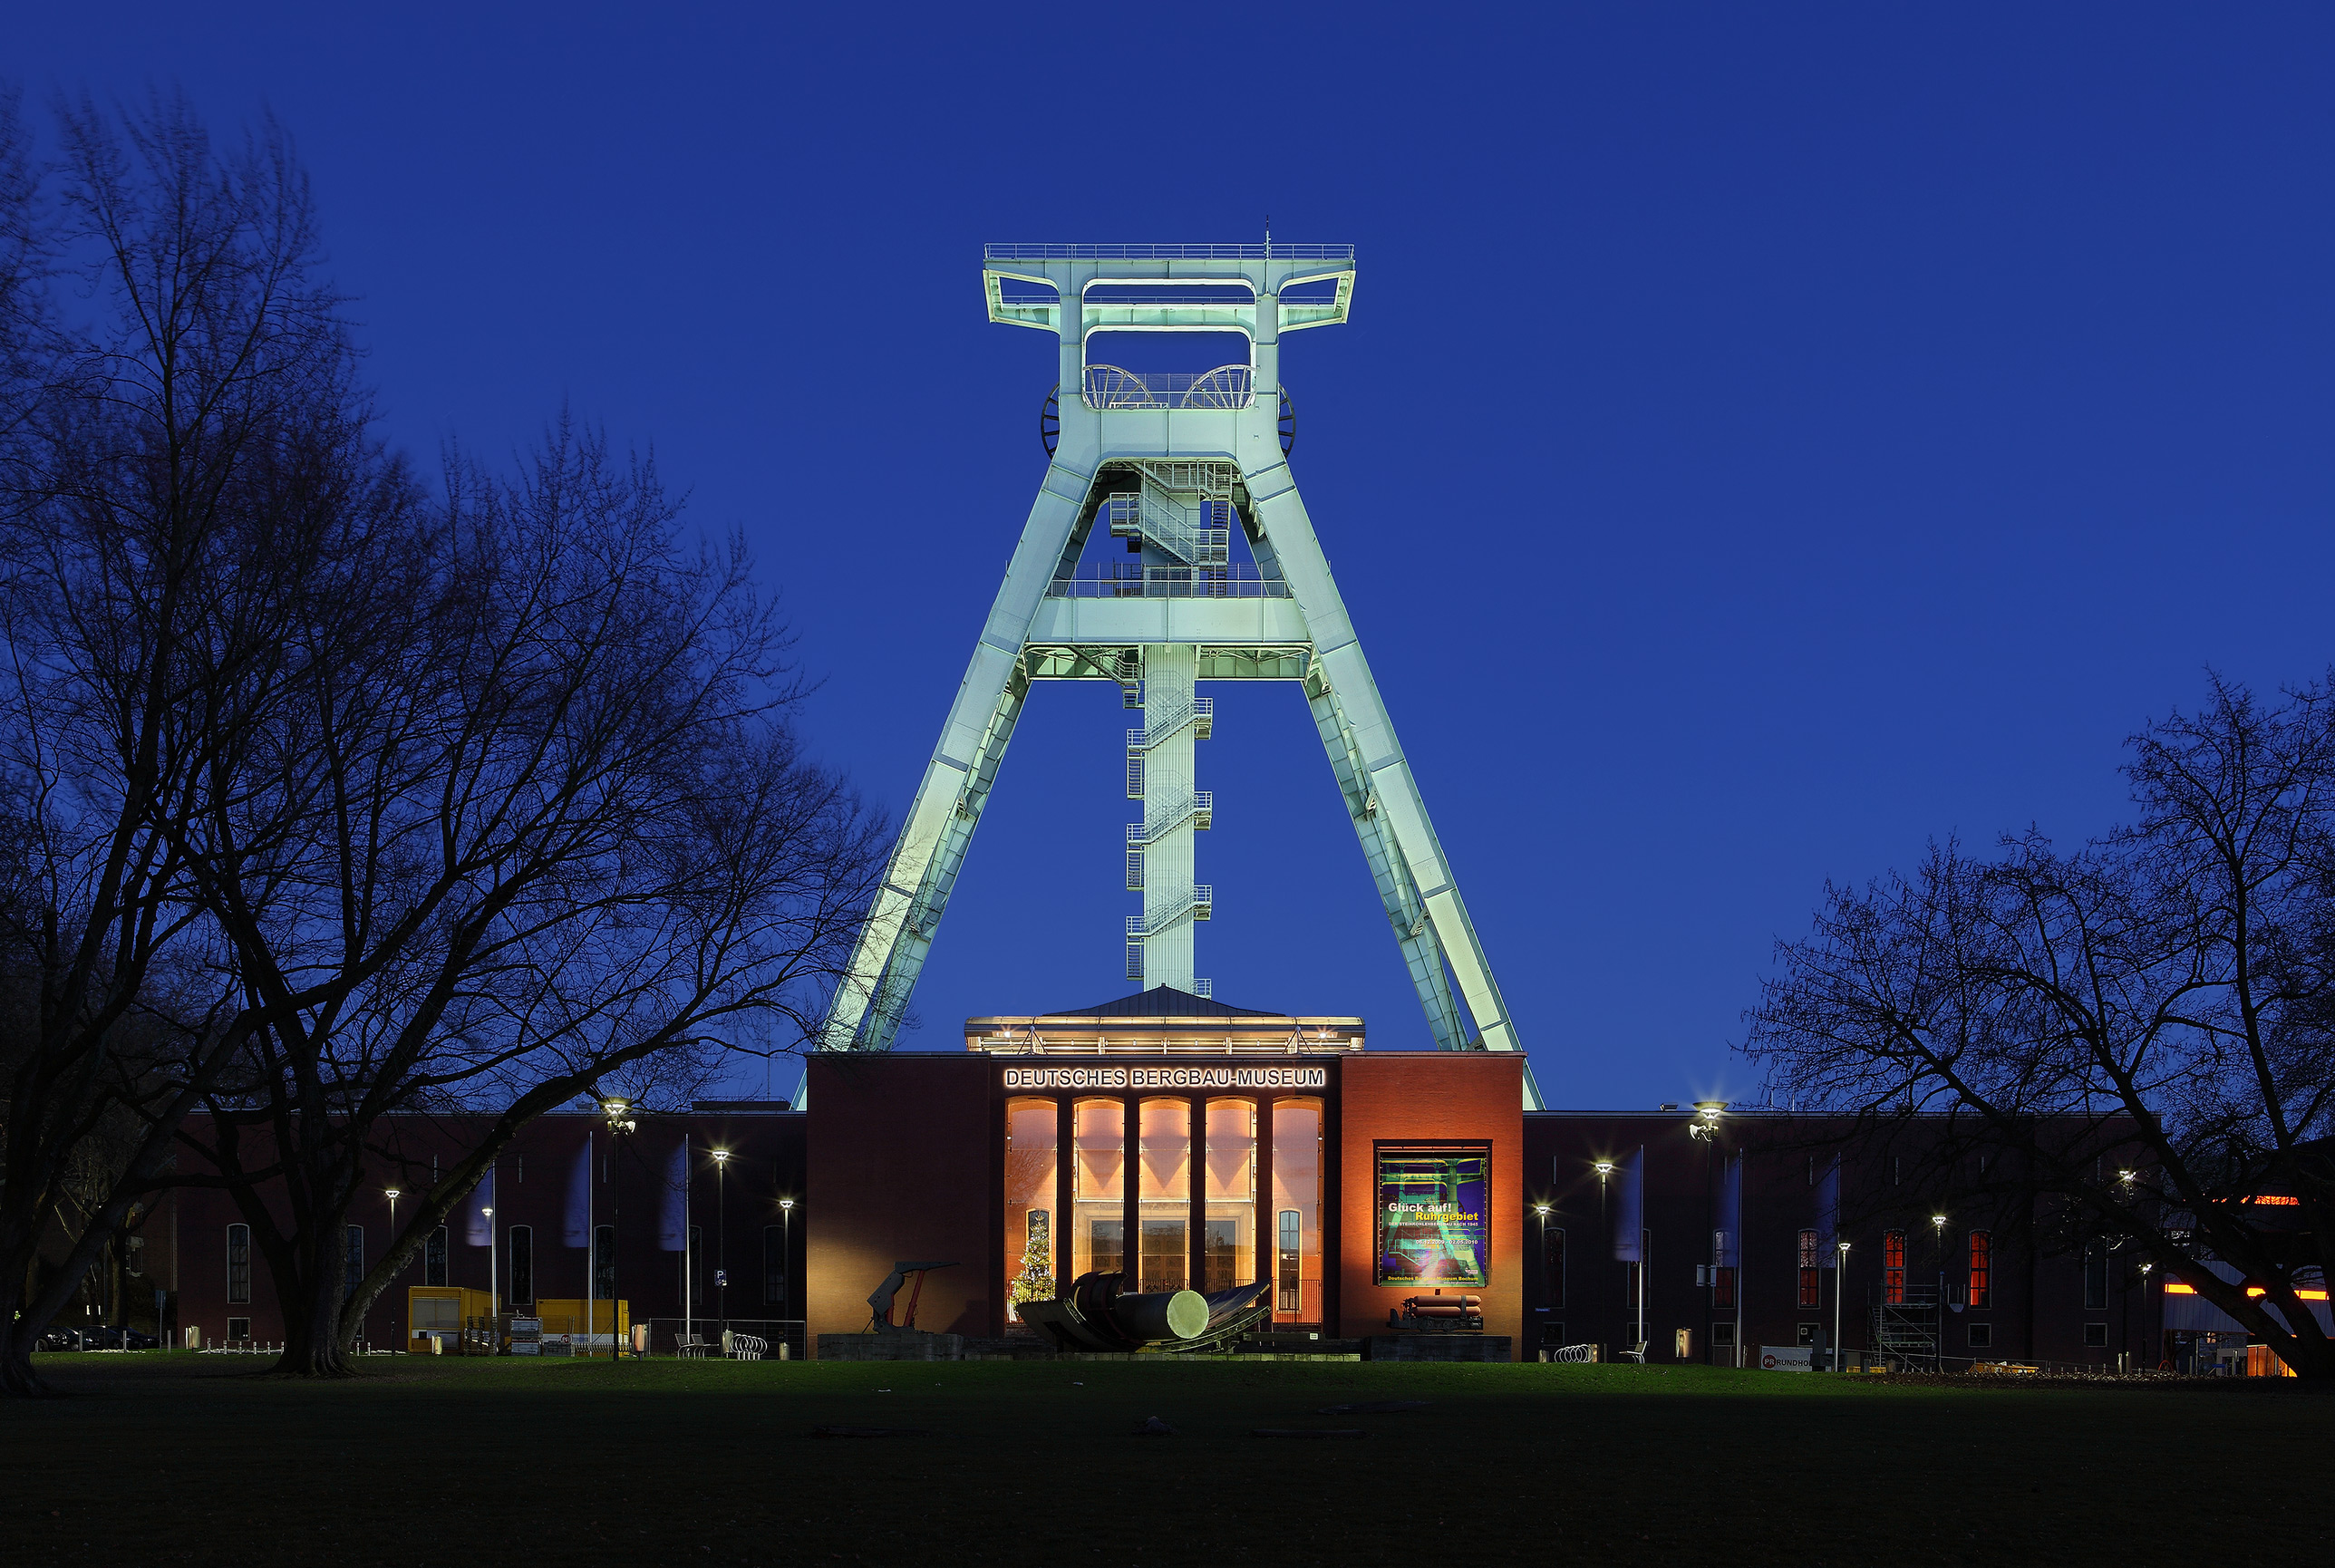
[(1111, 580), (1110, 386), (1016, 250)]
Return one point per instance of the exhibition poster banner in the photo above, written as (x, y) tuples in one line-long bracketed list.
[(1433, 1211)]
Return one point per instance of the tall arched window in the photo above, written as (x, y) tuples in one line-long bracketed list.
[(1981, 1268), (433, 1258), (1029, 1168), (522, 1265), (238, 1263), (1228, 1169), (1164, 1192), (1552, 1267), (1297, 1211), (1811, 1290), (353, 1274), (1892, 1268), (1098, 1187), (774, 1267)]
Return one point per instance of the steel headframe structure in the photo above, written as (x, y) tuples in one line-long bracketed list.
[(1171, 463)]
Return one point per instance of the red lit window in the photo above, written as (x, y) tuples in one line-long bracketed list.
[(1811, 1294), (1723, 1289), (1892, 1268), (1981, 1268)]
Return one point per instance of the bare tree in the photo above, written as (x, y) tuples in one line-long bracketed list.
[(143, 547), (532, 819), (2168, 989)]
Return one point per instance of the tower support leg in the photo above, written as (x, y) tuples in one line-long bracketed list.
[(865, 1013)]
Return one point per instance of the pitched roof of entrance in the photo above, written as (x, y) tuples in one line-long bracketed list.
[(1163, 1001)]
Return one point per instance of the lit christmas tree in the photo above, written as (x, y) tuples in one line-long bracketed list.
[(1036, 1281)]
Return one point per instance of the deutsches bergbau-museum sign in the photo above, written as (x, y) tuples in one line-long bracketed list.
[(1111, 1077)]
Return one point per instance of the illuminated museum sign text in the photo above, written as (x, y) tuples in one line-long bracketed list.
[(1107, 1077)]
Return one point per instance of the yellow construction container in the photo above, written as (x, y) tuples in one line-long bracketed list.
[(441, 1313), (565, 1316)]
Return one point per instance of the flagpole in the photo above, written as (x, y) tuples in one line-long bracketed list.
[(591, 1240)]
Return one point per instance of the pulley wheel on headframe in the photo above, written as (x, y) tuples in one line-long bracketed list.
[(1049, 422), (1288, 424)]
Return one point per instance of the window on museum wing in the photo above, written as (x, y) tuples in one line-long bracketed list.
[(1029, 1171), (433, 1258), (1098, 1187), (1163, 1193), (522, 1265), (238, 1263), (774, 1266), (1551, 1267), (1297, 1209), (1228, 1196), (1892, 1268), (1722, 1287), (1811, 1290), (2095, 1276), (353, 1274), (604, 1263), (1982, 1268)]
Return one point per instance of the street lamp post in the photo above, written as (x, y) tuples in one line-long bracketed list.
[(722, 1236), (619, 1122), (786, 1247), (392, 1194), (1839, 1290), (493, 1301), (1705, 1128), (1605, 1226), (1938, 1250), (1542, 1211)]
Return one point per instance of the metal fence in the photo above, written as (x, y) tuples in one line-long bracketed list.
[(1110, 386), (748, 1338), (1113, 581), (1023, 250)]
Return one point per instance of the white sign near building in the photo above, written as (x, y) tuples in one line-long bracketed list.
[(1783, 1358)]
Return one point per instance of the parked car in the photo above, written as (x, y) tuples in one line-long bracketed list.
[(97, 1338)]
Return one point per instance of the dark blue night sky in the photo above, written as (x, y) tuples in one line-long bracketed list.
[(1767, 438)]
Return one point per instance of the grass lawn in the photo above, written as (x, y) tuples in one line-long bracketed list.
[(422, 1463)]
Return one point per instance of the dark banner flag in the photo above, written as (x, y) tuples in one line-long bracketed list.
[(1630, 1217)]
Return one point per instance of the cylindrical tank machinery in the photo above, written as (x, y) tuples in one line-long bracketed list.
[(1097, 1313)]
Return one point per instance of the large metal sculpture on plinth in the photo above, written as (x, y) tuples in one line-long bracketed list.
[(1162, 469)]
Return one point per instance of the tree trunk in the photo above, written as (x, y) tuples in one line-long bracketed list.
[(18, 1335), (312, 1326)]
